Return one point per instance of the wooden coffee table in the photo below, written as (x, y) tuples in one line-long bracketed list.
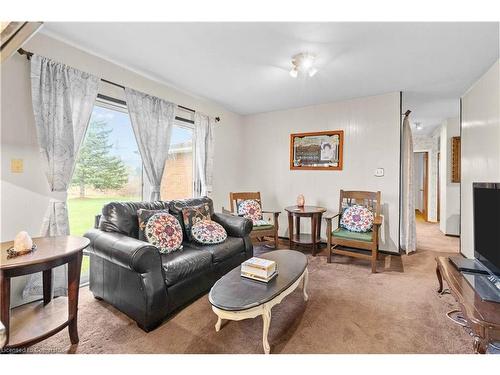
[(236, 298), (31, 323)]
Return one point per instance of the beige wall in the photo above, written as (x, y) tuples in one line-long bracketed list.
[(449, 191), (371, 140), (480, 145)]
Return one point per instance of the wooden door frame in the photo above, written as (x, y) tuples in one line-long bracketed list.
[(438, 208), (426, 183)]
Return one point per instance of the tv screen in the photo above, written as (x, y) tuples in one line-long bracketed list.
[(486, 201)]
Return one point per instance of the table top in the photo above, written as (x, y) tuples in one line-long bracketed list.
[(233, 292), (48, 248), (484, 313), (305, 210)]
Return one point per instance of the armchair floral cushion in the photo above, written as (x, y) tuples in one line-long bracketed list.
[(357, 218), (250, 209)]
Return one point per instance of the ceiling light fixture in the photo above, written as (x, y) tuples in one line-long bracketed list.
[(303, 63), (418, 126)]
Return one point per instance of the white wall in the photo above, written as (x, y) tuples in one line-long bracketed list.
[(371, 140), (480, 145), (429, 144), (418, 176), (449, 191), (25, 196), (28, 191)]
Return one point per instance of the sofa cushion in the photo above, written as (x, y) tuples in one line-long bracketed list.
[(230, 247), (176, 206), (143, 217), (121, 217), (164, 231), (194, 214), (184, 263), (208, 232)]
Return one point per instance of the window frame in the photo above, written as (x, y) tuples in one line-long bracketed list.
[(188, 125)]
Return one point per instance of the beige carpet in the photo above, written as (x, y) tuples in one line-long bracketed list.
[(350, 310), (429, 237)]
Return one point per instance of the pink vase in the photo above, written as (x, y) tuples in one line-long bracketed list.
[(300, 200)]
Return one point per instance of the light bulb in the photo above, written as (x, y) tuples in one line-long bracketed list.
[(294, 72), (312, 72)]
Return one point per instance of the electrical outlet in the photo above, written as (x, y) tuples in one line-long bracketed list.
[(379, 172), (16, 165)]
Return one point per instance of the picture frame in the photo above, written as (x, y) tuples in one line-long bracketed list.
[(455, 159), (317, 150)]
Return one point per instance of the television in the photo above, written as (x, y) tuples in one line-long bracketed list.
[(486, 213)]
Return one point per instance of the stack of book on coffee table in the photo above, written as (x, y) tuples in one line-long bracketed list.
[(259, 269)]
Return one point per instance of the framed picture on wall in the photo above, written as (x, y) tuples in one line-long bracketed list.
[(455, 159), (317, 150)]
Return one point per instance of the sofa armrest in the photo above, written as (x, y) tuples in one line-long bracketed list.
[(128, 252), (235, 226)]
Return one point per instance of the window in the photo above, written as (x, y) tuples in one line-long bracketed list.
[(177, 180), (108, 168)]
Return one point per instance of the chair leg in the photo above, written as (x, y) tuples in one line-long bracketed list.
[(374, 260), (276, 239)]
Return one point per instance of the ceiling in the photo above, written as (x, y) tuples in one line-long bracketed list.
[(244, 66)]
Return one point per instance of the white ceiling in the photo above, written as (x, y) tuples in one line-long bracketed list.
[(244, 66)]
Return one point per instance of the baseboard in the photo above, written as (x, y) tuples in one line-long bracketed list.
[(324, 243), (452, 235)]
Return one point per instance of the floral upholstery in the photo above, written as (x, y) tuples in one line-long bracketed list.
[(250, 209), (194, 214), (143, 216), (357, 218), (208, 232), (164, 231)]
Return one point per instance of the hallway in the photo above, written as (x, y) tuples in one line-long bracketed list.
[(429, 237)]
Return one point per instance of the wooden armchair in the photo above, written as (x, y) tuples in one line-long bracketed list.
[(352, 241), (261, 232)]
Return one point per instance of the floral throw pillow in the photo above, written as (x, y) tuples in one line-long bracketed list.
[(208, 232), (143, 216), (192, 215), (164, 231), (357, 219), (250, 209)]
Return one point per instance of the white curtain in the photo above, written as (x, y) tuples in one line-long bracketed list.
[(63, 99), (152, 120), (408, 236), (204, 153)]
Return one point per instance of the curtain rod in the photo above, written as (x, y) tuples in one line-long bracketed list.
[(29, 54)]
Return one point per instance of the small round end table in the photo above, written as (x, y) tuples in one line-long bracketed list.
[(31, 323), (297, 238)]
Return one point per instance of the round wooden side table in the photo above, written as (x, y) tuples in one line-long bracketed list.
[(31, 323), (297, 238)]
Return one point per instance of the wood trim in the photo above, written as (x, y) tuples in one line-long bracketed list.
[(340, 133), (15, 36)]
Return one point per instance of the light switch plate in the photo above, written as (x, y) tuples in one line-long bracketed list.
[(379, 172), (16, 165)]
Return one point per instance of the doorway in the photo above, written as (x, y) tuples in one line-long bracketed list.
[(421, 179)]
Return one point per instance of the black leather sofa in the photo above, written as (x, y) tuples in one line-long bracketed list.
[(148, 286)]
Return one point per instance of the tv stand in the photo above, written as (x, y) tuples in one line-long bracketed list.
[(483, 317)]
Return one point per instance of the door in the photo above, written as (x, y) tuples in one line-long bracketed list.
[(421, 184)]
